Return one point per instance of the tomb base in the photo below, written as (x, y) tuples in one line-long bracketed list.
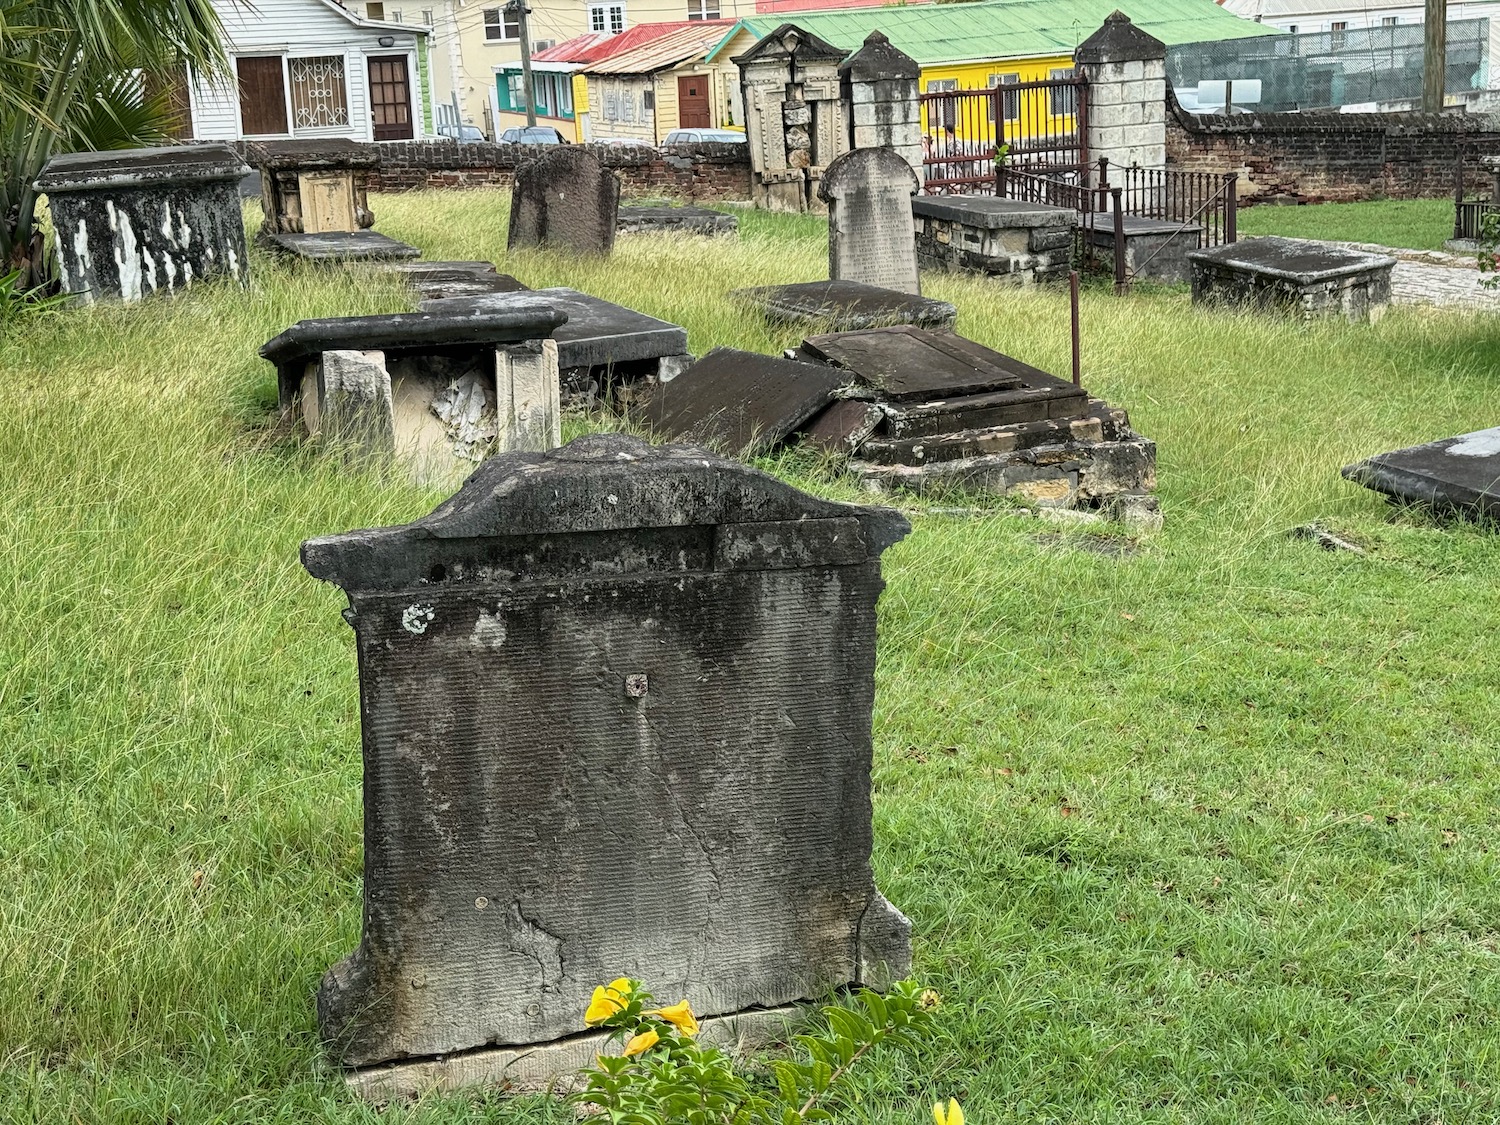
[(1155, 250), (1308, 280), (675, 220), (1023, 243)]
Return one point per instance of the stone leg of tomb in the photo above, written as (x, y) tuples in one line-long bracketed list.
[(354, 411), (671, 366), (527, 399)]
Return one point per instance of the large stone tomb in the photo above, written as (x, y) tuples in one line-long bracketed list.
[(564, 199), (1292, 275), (1002, 238), (139, 221), (314, 186), (846, 304), (616, 710), (439, 392), (1155, 249), (869, 195), (742, 403), (1454, 474), (602, 348), (954, 413), (675, 220)]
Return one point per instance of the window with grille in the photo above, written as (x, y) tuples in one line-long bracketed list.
[(501, 24), (1010, 103), (608, 18), (1064, 100), (1336, 34), (375, 11), (1388, 21), (703, 9), (319, 97)]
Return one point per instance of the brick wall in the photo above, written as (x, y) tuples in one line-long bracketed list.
[(1343, 157), (701, 171)]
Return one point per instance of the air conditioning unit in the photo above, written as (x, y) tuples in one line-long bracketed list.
[(543, 44)]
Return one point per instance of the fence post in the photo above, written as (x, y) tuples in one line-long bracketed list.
[(1121, 286), (1231, 206), (1458, 189)]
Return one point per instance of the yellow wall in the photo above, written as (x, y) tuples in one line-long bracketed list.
[(571, 129), (1034, 105)]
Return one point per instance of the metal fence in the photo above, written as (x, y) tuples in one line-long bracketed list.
[(1331, 69), (1203, 199)]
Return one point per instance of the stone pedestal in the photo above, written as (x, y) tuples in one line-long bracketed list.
[(1003, 238), (139, 221), (1127, 111), (1291, 275), (880, 93), (314, 187), (616, 708), (1155, 249)]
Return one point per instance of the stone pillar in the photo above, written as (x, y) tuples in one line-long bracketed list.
[(354, 409), (1127, 94), (528, 409), (879, 84)]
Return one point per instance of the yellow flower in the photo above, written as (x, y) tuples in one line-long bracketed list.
[(954, 1115), (680, 1016), (641, 1042), (623, 985), (605, 1003), (930, 999)]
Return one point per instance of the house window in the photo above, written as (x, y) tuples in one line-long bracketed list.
[(427, 16), (1291, 29), (262, 93), (1388, 21), (1336, 34), (375, 11), (1064, 98), (703, 9), (515, 91), (1010, 103), (319, 97), (396, 15), (947, 108), (501, 24), (648, 101), (609, 18)]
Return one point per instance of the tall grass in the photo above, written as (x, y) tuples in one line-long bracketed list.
[(1192, 828)]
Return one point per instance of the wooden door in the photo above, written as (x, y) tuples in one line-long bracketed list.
[(390, 98), (692, 102), (262, 95)]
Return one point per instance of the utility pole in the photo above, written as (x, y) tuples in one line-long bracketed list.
[(522, 11), (1434, 54)]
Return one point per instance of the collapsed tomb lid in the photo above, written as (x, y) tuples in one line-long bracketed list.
[(906, 363), (418, 331), (164, 166), (846, 304), (1299, 260), (312, 155), (1460, 472), (596, 483)]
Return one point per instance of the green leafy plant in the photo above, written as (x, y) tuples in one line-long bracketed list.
[(17, 302), (663, 1074), (1489, 249)]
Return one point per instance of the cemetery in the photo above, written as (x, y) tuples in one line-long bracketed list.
[(423, 642)]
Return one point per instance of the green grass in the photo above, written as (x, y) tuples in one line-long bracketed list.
[(1412, 224), (1200, 831)]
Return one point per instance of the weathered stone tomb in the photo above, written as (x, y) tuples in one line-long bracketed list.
[(616, 706), (1304, 278), (869, 195), (846, 304), (564, 199), (139, 221), (1456, 474), (1003, 238), (314, 187)]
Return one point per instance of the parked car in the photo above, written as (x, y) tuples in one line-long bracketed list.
[(697, 136), (533, 135), (464, 133)]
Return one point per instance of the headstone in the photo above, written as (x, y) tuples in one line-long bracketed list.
[(616, 707), (870, 229), (739, 402), (339, 246), (133, 222), (565, 199), (676, 220), (314, 186), (847, 305), (1304, 278), (1454, 474)]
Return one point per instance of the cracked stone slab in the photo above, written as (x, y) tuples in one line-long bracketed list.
[(339, 246), (616, 713), (846, 305)]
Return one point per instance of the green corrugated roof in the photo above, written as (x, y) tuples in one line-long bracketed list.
[(1010, 29)]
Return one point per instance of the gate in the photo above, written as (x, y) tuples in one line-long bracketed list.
[(1037, 129)]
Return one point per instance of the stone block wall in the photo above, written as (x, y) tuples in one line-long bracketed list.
[(1332, 157), (699, 172)]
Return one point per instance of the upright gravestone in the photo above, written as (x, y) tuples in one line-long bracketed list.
[(565, 198), (871, 233), (616, 703), (138, 221)]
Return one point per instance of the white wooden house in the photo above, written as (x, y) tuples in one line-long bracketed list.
[(312, 68)]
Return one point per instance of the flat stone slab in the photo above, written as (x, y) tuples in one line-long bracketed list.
[(340, 246), (165, 166), (436, 280), (989, 213), (309, 155), (675, 220), (1300, 261), (742, 403), (411, 332), (911, 363), (847, 304), (597, 332), (1132, 226), (1460, 473)]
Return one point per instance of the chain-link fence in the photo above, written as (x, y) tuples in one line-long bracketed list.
[(1329, 69)]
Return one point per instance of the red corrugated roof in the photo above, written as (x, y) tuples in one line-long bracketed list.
[(596, 46)]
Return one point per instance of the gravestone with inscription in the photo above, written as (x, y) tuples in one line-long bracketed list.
[(565, 199), (616, 706), (871, 235)]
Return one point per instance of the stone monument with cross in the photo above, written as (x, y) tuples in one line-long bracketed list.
[(871, 232)]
